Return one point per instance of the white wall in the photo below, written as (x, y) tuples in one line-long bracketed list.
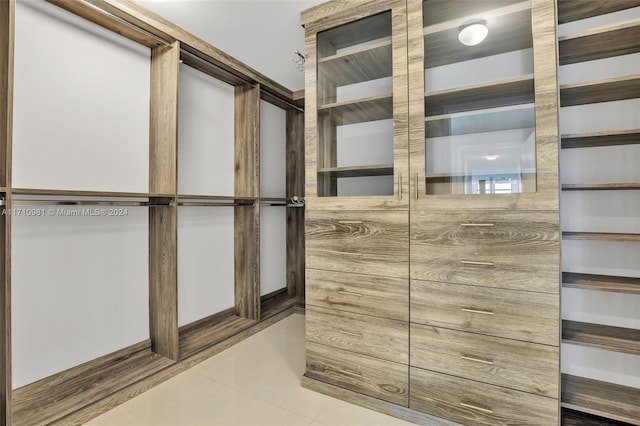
[(600, 211), (80, 289), (205, 167), (81, 122), (272, 184), (205, 262), (205, 134), (81, 108)]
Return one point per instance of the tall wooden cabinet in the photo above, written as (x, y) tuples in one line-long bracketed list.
[(439, 297)]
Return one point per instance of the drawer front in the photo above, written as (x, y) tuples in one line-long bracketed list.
[(514, 250), (377, 337), (359, 373), (520, 315), (367, 242), (528, 367), (359, 293), (474, 403)]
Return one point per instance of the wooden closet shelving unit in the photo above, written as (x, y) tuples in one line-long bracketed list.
[(582, 398), (85, 391)]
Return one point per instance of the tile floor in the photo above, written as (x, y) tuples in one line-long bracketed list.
[(254, 383)]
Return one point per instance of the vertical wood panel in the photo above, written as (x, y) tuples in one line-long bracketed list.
[(163, 221), (295, 216), (7, 13), (247, 184), (163, 281), (163, 130)]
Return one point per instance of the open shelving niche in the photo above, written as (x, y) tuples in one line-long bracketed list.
[(136, 172), (600, 181)]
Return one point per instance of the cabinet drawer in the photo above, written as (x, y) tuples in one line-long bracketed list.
[(528, 367), (367, 242), (373, 336), (516, 250), (370, 376), (520, 315), (364, 294), (474, 403)]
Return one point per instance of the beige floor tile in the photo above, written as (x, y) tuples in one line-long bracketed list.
[(254, 383), (340, 413)]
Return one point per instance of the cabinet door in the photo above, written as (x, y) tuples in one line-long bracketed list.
[(483, 104), (356, 106)]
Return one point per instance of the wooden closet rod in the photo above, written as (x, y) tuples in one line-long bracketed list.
[(86, 203)]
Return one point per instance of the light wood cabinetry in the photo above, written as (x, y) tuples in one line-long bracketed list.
[(466, 248)]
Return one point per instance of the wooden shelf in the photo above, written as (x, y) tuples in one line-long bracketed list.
[(510, 30), (369, 63), (601, 43), (359, 171), (577, 418), (572, 10), (603, 399), (204, 333), (600, 236), (481, 121), (616, 339), (363, 30), (601, 186), (606, 138), (513, 91), (601, 282), (607, 90), (56, 396), (360, 110)]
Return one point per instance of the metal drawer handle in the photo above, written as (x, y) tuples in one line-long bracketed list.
[(400, 186), (350, 222), (476, 311), (349, 333), (350, 293), (477, 224), (475, 407), (351, 373), (476, 359), (476, 263)]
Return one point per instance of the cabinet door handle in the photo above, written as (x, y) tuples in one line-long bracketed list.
[(416, 186), (349, 333), (488, 361), (400, 186), (476, 311), (350, 293), (350, 222), (477, 263), (476, 407), (477, 224), (351, 373)]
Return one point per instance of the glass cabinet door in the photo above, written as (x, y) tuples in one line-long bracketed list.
[(362, 142), (479, 102)]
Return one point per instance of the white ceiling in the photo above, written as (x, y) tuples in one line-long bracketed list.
[(261, 33)]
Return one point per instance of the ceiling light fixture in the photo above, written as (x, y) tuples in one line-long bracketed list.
[(491, 157), (473, 34)]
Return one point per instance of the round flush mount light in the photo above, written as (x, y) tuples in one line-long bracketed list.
[(491, 157), (473, 34)]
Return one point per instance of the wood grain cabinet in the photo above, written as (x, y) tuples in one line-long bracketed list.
[(433, 248)]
